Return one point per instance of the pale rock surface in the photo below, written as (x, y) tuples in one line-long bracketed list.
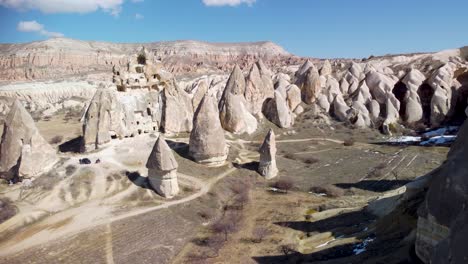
[(293, 96), (201, 89), (234, 114), (391, 118), (207, 144), (259, 87), (162, 169), (98, 119), (340, 109), (23, 151), (277, 111), (326, 68), (267, 166), (441, 82), (323, 103), (310, 86), (178, 110), (413, 80), (380, 86), (374, 109)]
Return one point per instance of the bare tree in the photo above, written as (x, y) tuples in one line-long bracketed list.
[(227, 225)]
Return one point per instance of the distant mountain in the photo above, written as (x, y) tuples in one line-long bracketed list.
[(62, 56)]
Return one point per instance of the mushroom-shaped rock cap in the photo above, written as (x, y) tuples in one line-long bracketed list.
[(161, 157)]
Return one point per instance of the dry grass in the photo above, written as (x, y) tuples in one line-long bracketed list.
[(329, 190)]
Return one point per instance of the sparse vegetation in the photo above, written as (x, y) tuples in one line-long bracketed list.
[(259, 234), (56, 140), (70, 169), (349, 142), (7, 209), (284, 184)]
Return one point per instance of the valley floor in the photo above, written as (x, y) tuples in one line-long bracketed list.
[(106, 213)]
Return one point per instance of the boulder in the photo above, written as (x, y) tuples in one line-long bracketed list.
[(207, 144), (277, 111), (162, 169), (267, 166), (23, 151)]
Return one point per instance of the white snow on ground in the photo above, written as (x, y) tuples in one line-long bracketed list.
[(439, 140), (441, 131), (434, 137), (404, 139), (360, 248)]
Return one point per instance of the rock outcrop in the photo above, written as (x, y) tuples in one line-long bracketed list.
[(441, 82), (98, 123), (310, 86), (207, 144), (178, 110), (57, 57), (277, 111), (412, 103), (23, 151), (267, 166), (234, 114), (259, 87), (162, 169), (441, 230)]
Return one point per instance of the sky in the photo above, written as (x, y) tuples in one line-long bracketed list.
[(312, 28)]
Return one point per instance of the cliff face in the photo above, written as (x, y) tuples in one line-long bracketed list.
[(441, 231), (59, 57)]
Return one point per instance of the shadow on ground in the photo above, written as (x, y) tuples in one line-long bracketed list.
[(138, 180), (374, 185), (181, 148), (252, 166), (72, 146)]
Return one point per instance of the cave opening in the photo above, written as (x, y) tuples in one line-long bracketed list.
[(400, 90), (425, 93)]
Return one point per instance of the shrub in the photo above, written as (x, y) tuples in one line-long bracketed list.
[(56, 140), (349, 142), (259, 234), (70, 169), (284, 184), (329, 190), (226, 225), (311, 161)]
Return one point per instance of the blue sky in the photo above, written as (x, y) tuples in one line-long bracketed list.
[(315, 28)]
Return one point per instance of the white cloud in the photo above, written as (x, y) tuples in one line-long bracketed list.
[(33, 26), (113, 7), (139, 16), (228, 2)]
